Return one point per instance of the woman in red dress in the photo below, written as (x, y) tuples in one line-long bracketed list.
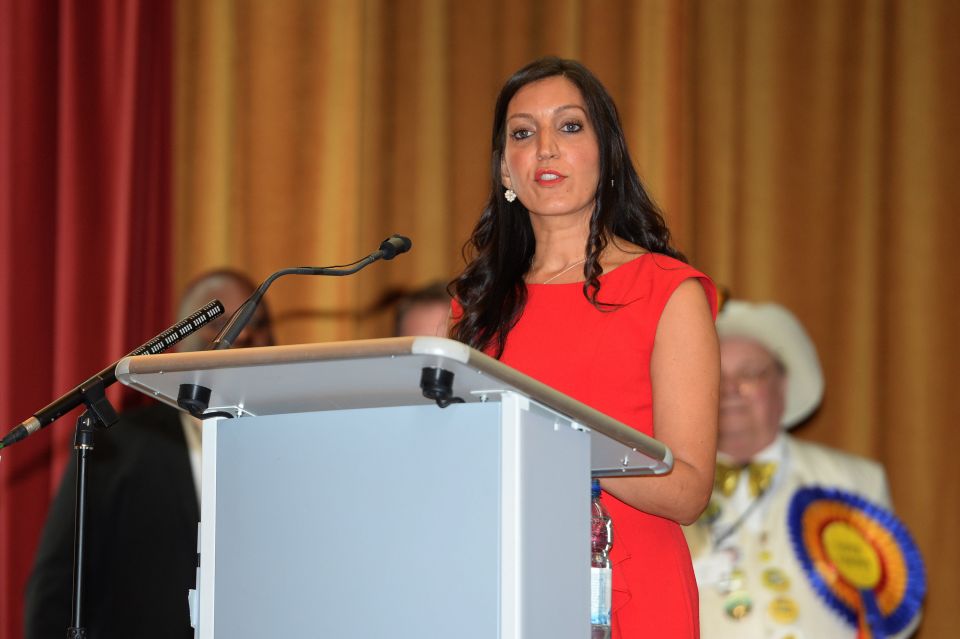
[(573, 281)]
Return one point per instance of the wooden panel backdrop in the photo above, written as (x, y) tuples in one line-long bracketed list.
[(804, 152)]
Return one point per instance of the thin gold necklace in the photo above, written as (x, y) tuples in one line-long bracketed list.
[(566, 268)]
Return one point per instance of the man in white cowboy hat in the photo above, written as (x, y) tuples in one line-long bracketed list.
[(750, 580)]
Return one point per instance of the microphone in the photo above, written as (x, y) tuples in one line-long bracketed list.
[(394, 246), (107, 376), (389, 249)]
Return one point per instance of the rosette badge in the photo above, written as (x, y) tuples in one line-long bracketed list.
[(859, 558)]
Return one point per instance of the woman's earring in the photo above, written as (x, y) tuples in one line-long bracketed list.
[(509, 195)]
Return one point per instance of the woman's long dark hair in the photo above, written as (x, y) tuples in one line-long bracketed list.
[(491, 289)]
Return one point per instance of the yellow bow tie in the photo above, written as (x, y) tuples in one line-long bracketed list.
[(759, 474)]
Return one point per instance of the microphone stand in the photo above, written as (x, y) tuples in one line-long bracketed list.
[(99, 414)]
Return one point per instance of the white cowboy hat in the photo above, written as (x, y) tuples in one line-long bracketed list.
[(777, 330)]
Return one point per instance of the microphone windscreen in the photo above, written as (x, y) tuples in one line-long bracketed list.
[(394, 246)]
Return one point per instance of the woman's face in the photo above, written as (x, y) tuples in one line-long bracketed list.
[(551, 158)]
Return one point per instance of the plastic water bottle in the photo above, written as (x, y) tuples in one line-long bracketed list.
[(601, 539)]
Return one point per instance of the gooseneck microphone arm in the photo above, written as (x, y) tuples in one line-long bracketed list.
[(239, 320), (389, 249), (90, 391)]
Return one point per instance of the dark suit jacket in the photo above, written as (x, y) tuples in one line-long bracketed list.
[(142, 537)]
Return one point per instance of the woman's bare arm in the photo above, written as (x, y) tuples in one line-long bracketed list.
[(685, 378)]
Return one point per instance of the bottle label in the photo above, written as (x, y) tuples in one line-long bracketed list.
[(600, 594)]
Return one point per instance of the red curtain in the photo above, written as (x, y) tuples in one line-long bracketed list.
[(85, 154)]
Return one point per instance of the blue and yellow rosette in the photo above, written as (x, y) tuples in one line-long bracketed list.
[(859, 558)]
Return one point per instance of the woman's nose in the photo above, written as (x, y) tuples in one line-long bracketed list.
[(547, 146)]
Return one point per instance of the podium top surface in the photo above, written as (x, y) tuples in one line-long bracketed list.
[(373, 373)]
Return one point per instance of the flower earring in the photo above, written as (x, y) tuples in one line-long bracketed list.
[(509, 195)]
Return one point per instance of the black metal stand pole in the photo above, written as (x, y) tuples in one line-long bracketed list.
[(99, 414), (83, 444)]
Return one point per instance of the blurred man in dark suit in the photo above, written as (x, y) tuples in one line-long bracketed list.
[(143, 509)]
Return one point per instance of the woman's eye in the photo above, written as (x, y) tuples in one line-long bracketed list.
[(571, 127), (521, 134)]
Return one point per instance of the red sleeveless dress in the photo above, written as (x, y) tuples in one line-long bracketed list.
[(602, 358)]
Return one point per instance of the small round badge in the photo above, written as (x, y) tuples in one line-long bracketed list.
[(776, 580), (783, 610), (738, 605)]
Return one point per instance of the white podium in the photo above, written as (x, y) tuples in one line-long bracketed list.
[(340, 502)]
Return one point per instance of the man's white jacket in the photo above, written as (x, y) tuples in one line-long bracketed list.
[(762, 554)]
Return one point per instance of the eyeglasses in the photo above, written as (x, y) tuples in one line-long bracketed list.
[(748, 380)]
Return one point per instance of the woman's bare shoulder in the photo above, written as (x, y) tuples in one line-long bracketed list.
[(618, 252)]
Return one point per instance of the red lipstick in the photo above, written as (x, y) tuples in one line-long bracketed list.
[(548, 177)]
